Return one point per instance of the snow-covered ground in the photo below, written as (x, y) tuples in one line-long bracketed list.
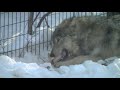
[(9, 68)]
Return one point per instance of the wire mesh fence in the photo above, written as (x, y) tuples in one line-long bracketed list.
[(15, 40)]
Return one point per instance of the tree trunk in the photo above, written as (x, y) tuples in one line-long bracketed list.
[(30, 23)]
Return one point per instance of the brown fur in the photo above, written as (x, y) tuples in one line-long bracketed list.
[(91, 37)]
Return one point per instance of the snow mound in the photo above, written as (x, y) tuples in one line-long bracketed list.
[(6, 62), (9, 68)]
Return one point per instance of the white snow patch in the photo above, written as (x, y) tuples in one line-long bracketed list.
[(9, 68)]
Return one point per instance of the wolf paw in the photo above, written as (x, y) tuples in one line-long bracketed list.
[(58, 64)]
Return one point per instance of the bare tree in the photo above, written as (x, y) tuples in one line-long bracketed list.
[(43, 17), (30, 23)]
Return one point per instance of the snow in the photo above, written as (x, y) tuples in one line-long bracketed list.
[(9, 68)]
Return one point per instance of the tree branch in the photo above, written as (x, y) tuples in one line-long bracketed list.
[(39, 24)]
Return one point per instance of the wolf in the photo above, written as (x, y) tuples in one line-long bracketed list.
[(78, 39)]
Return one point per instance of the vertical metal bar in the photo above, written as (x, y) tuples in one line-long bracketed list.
[(66, 15), (0, 28), (55, 19), (26, 32), (31, 28), (20, 35), (78, 14), (85, 14), (62, 16), (35, 34), (23, 31), (73, 14), (12, 38), (102, 14), (59, 17), (15, 33), (43, 32), (91, 13), (8, 33), (51, 31), (81, 14), (70, 14), (47, 30), (105, 13), (4, 32), (0, 31), (39, 37)]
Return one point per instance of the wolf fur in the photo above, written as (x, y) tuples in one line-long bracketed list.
[(86, 38)]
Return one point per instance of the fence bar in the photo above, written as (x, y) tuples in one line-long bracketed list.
[(8, 32)]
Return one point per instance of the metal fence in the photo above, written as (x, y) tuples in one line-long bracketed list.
[(14, 26)]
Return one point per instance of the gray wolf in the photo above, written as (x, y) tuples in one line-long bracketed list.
[(86, 38)]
